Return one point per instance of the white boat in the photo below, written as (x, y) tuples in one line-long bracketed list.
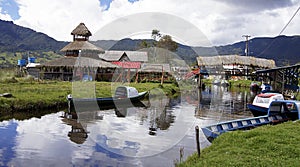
[(262, 102)]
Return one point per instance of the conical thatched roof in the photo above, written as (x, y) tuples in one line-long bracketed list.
[(81, 45), (81, 30)]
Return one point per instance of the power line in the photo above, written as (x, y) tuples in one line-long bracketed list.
[(289, 21), (281, 31)]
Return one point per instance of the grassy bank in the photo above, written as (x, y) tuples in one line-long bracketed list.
[(31, 96), (263, 146)]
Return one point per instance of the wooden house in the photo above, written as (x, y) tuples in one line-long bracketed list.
[(80, 61), (128, 61)]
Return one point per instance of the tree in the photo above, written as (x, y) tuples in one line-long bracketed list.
[(155, 34), (167, 43), (144, 44)]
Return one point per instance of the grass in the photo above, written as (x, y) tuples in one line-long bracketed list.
[(31, 96), (263, 146)]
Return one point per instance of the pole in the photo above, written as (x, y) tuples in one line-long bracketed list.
[(197, 140), (247, 44), (247, 50)]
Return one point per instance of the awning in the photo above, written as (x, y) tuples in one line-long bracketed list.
[(126, 64)]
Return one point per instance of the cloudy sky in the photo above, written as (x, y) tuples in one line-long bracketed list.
[(222, 22)]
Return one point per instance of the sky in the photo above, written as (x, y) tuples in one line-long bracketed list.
[(219, 22)]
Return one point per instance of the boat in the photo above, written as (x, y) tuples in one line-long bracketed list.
[(262, 102), (124, 95), (279, 111)]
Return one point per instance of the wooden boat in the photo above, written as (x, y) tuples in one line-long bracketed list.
[(262, 102), (123, 95), (279, 111)]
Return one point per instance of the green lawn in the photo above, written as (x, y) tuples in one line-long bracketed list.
[(268, 145), (30, 95)]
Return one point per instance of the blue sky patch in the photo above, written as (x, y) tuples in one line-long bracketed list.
[(106, 3), (10, 7)]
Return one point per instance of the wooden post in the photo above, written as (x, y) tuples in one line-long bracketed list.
[(162, 75), (128, 75), (283, 81), (197, 140), (136, 75)]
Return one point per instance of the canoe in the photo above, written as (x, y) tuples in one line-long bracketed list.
[(279, 111)]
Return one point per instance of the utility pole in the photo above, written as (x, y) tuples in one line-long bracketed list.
[(247, 51), (247, 44)]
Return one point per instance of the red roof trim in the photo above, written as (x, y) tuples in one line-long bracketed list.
[(126, 64)]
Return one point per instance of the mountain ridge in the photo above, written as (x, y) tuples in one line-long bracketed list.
[(14, 38)]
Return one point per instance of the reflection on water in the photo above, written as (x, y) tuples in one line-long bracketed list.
[(149, 135), (222, 103)]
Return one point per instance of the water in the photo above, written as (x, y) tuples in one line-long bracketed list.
[(126, 136)]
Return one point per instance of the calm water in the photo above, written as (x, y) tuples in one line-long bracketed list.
[(151, 135)]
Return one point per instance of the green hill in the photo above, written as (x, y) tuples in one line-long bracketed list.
[(19, 42)]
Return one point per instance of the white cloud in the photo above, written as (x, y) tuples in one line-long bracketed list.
[(222, 22)]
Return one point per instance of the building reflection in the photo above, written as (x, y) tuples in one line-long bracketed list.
[(221, 100), (78, 134), (156, 114)]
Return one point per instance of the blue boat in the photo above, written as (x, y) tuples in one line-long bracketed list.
[(279, 111)]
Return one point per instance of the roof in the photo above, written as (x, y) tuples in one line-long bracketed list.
[(79, 61), (126, 64), (235, 59), (279, 68), (117, 55), (32, 65), (81, 45), (81, 30), (148, 67)]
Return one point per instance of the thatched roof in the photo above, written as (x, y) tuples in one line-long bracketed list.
[(79, 61), (81, 30), (82, 45), (117, 55), (235, 59), (149, 67)]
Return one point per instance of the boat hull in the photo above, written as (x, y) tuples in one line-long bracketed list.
[(257, 110), (83, 104), (213, 131)]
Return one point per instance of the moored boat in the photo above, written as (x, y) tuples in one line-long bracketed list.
[(262, 102), (279, 111), (124, 95)]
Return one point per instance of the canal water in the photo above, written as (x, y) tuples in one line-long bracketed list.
[(150, 134)]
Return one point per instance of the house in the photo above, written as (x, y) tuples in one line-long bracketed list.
[(80, 62), (129, 62), (233, 65)]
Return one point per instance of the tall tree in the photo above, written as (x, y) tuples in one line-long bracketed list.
[(167, 43)]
